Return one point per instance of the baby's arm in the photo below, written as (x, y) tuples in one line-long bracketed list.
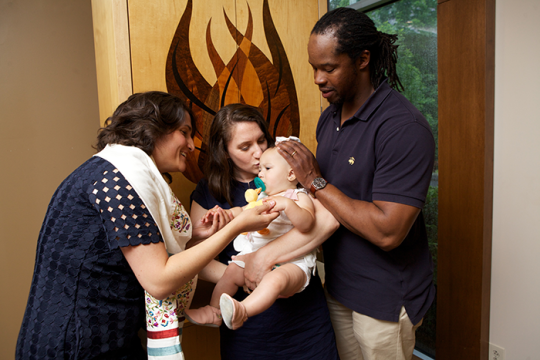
[(300, 212), (235, 211)]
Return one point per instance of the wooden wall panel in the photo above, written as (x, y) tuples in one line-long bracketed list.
[(138, 65), (152, 26), (113, 65), (466, 104), (294, 21)]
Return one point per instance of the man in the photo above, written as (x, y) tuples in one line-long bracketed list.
[(374, 161)]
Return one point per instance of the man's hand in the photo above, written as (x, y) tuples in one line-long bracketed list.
[(301, 160), (255, 268)]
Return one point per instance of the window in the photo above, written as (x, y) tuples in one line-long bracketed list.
[(362, 5), (415, 23)]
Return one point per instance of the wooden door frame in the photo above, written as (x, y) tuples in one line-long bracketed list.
[(466, 58)]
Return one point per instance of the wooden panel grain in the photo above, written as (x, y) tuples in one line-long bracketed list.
[(200, 342), (293, 21), (113, 64), (323, 9), (213, 49), (466, 95), (152, 27)]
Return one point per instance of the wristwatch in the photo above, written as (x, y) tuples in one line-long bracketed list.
[(317, 184)]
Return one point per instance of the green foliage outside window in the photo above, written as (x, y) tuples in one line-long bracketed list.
[(334, 4)]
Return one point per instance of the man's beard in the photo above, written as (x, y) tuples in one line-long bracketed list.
[(337, 102)]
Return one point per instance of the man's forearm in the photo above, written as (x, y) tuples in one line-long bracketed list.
[(385, 224)]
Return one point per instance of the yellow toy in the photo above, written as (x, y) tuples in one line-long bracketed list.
[(251, 196)]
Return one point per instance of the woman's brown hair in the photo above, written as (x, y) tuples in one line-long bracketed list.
[(219, 168), (143, 119)]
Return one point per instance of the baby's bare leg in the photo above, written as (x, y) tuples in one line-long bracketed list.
[(232, 279), (284, 281)]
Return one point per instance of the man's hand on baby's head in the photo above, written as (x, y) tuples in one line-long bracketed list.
[(301, 160)]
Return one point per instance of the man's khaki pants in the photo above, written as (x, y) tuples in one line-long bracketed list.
[(361, 337)]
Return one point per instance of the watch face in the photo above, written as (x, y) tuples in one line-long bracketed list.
[(319, 183)]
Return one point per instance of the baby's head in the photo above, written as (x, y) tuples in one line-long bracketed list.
[(275, 172)]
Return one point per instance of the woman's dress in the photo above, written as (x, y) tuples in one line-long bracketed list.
[(85, 302)]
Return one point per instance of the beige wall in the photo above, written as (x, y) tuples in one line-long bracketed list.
[(515, 280), (48, 122)]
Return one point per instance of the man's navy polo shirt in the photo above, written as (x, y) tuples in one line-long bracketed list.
[(384, 152)]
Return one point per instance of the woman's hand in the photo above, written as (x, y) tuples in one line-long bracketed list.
[(256, 218), (217, 212), (281, 202), (213, 221)]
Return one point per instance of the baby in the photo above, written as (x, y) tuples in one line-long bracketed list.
[(285, 279)]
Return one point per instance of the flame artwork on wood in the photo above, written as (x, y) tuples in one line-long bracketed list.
[(249, 77)]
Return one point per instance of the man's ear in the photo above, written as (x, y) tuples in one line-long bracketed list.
[(291, 176), (363, 60)]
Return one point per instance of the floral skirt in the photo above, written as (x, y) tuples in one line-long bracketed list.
[(164, 322)]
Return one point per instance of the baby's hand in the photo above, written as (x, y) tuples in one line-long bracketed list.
[(281, 202)]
